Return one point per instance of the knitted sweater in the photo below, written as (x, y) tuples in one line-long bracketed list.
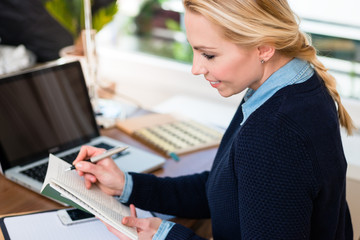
[(279, 175)]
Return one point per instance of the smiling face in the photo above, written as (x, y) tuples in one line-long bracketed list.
[(228, 67)]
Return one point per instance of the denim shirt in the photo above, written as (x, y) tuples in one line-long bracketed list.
[(296, 71)]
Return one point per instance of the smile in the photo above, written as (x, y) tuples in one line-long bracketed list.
[(211, 82), (214, 84)]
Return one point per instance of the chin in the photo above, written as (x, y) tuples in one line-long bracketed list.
[(225, 95)]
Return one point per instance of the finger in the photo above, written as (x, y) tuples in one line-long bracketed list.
[(86, 152), (80, 172), (117, 233), (133, 210), (89, 177), (88, 184), (147, 226), (87, 167), (135, 222), (89, 180), (83, 154)]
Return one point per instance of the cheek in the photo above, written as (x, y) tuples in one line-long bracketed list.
[(226, 69), (247, 69), (225, 72), (234, 70)]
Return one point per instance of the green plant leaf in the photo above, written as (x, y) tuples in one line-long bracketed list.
[(70, 14), (172, 24), (63, 12), (104, 16)]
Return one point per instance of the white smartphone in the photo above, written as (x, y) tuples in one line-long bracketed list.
[(73, 216)]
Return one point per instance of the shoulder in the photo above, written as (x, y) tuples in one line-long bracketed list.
[(293, 128), (282, 128), (305, 108)]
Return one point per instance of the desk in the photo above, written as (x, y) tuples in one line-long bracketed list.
[(17, 199)]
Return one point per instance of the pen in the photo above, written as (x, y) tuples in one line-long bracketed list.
[(99, 157)]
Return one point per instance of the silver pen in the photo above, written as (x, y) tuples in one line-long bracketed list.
[(101, 156)]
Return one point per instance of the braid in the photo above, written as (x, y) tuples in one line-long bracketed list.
[(308, 53)]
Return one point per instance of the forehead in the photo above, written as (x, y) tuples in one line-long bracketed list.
[(200, 30)]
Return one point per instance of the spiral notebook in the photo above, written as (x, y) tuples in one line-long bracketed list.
[(170, 134)]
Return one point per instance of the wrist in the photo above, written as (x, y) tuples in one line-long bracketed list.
[(163, 230), (125, 193), (121, 180)]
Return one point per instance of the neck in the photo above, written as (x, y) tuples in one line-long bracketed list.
[(274, 64)]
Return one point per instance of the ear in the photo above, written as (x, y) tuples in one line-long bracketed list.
[(266, 52)]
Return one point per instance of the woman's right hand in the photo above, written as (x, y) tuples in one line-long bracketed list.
[(104, 173)]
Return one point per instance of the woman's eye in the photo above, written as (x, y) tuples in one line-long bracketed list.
[(207, 56)]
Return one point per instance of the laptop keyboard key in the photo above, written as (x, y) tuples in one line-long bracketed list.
[(39, 172)]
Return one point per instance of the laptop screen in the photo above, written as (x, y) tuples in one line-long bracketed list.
[(42, 111)]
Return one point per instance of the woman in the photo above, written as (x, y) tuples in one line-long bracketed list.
[(280, 169)]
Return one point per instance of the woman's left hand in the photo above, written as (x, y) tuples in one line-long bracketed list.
[(146, 227)]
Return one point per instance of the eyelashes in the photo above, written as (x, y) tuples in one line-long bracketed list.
[(207, 56)]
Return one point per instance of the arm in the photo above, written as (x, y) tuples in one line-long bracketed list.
[(167, 229), (276, 184), (113, 181), (181, 196)]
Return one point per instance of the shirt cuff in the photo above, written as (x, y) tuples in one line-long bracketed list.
[(163, 230), (128, 186)]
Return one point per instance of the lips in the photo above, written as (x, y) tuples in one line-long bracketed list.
[(214, 83)]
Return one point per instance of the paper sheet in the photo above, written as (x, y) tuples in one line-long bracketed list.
[(44, 226)]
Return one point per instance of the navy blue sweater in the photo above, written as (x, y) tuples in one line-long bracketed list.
[(280, 175)]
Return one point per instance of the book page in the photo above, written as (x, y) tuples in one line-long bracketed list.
[(72, 186)]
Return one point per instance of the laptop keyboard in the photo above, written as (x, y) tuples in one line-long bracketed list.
[(39, 172)]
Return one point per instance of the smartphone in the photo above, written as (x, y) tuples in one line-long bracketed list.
[(73, 216)]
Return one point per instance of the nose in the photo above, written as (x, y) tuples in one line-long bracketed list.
[(198, 66)]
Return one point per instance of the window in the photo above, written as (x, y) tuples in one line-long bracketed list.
[(335, 30), (333, 25)]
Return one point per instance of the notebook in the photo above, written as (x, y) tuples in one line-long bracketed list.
[(48, 110)]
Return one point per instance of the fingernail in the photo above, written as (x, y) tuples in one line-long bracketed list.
[(79, 165), (125, 220)]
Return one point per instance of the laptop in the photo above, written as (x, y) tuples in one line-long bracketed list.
[(48, 110)]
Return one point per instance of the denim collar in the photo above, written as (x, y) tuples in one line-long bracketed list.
[(294, 72)]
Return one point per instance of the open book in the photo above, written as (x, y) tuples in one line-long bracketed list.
[(68, 187)]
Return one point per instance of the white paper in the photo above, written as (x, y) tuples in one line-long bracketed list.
[(45, 226)]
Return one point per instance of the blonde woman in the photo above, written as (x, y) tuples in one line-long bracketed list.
[(280, 169)]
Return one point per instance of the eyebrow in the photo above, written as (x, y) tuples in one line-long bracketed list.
[(203, 48)]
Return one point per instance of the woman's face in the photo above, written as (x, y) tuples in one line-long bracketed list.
[(228, 68)]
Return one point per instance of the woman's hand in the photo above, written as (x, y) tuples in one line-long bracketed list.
[(146, 227), (104, 173)]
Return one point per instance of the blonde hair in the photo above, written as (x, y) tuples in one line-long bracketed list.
[(252, 23)]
